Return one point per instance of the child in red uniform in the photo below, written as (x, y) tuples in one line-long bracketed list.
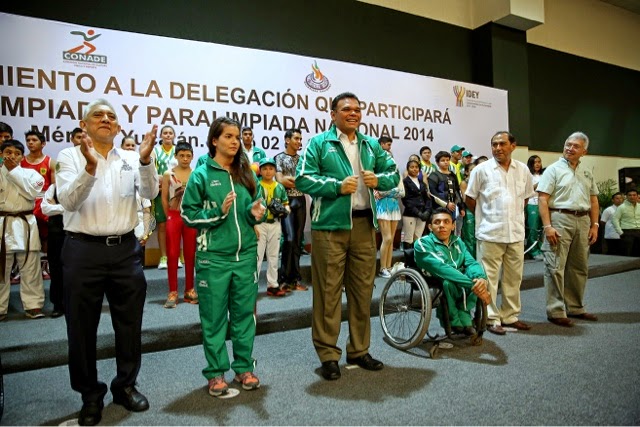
[(174, 182), (45, 166)]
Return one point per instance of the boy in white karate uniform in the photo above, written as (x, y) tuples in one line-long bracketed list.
[(19, 239)]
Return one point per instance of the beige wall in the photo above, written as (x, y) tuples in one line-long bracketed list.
[(591, 29), (603, 167), (588, 28), (455, 12)]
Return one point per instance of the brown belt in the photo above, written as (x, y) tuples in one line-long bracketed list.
[(3, 243), (570, 212)]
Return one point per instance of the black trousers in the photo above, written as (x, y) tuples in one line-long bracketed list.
[(91, 271), (54, 256), (630, 242), (615, 247), (292, 234)]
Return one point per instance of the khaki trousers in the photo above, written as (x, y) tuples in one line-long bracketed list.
[(269, 242), (343, 257), (506, 260), (567, 265)]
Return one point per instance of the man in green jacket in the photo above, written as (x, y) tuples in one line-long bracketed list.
[(340, 168), (463, 280)]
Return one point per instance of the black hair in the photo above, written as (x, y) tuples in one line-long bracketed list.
[(184, 146), (289, 133), (480, 160), (413, 161), (424, 148), (6, 128), (241, 172), (440, 210), (469, 166), (245, 128), (384, 139), (631, 190), (35, 133), (510, 137), (616, 194), (343, 95), (75, 131), (125, 138), (442, 154), (167, 126), (12, 143), (530, 163)]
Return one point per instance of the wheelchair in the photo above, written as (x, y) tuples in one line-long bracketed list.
[(406, 304)]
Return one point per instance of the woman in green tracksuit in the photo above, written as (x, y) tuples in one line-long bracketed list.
[(443, 254), (222, 201)]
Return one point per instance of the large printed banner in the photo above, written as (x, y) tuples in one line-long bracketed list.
[(50, 70)]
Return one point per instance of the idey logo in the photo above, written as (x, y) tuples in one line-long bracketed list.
[(88, 57), (459, 92), (317, 81)]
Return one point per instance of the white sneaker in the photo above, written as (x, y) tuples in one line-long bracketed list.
[(180, 263), (384, 273), (162, 265), (397, 266)]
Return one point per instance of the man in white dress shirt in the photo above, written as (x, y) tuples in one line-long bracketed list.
[(498, 191), (97, 186)]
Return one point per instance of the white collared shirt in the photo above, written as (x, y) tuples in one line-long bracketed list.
[(607, 218), (104, 204), (248, 153), (500, 197), (360, 199)]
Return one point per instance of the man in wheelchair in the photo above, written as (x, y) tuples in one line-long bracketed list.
[(446, 257)]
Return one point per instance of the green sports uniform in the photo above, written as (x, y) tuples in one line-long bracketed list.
[(468, 234), (162, 161), (457, 269), (226, 275)]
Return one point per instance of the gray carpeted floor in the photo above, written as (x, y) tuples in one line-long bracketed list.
[(586, 375), (23, 341)]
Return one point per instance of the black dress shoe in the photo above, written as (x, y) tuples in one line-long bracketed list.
[(57, 312), (91, 413), (330, 370), (131, 399), (366, 362)]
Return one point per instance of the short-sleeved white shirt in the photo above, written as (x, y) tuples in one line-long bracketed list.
[(607, 216), (500, 197)]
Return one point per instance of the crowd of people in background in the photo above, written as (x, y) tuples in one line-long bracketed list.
[(470, 220)]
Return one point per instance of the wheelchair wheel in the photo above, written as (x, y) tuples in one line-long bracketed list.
[(405, 309)]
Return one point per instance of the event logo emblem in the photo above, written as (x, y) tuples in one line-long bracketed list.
[(87, 57), (459, 92), (317, 81)]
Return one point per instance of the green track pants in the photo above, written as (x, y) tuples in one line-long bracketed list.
[(458, 314), (227, 291)]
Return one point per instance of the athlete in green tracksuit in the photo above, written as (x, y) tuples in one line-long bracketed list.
[(222, 200), (445, 256)]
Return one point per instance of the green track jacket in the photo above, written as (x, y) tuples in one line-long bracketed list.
[(453, 263), (324, 165), (226, 236)]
